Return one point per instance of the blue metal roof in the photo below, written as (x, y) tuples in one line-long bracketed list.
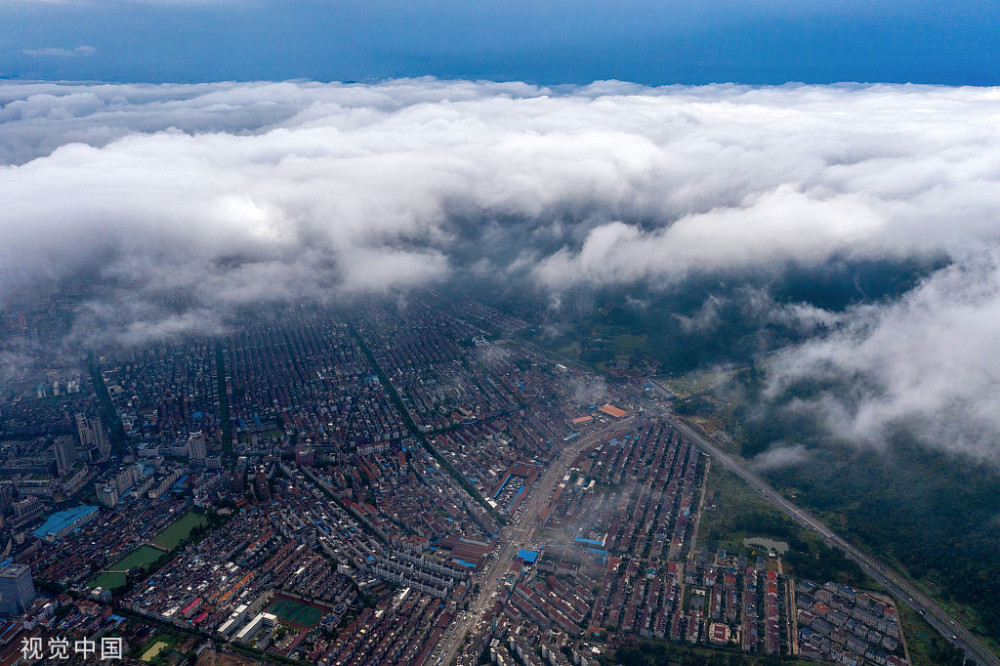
[(62, 519)]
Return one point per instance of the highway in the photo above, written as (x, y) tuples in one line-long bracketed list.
[(900, 587), (513, 537)]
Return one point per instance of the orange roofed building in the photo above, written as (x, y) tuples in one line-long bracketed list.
[(612, 411)]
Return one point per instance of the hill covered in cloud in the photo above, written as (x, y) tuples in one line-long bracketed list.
[(164, 207)]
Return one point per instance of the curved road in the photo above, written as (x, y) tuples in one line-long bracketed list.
[(900, 587)]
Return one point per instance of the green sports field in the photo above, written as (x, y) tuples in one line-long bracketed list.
[(114, 576), (296, 613), (180, 529)]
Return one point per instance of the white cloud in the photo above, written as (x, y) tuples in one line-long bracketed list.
[(622, 184), (928, 363), (56, 52), (231, 194), (780, 457)]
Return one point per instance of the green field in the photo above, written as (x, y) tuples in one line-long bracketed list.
[(927, 647), (109, 581), (114, 576), (655, 653), (112, 579), (695, 383), (154, 650), (742, 513), (296, 613), (179, 530)]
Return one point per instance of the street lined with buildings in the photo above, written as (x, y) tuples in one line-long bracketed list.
[(391, 489), (901, 588)]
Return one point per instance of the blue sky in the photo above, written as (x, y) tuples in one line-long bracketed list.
[(558, 41)]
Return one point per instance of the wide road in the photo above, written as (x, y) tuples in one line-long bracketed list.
[(513, 537), (900, 587)]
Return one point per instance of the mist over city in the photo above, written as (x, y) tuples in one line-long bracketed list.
[(632, 333), (176, 204)]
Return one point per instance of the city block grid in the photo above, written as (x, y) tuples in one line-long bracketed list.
[(378, 489)]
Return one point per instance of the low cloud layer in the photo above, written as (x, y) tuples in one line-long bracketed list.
[(59, 52), (928, 364), (780, 457), (165, 205)]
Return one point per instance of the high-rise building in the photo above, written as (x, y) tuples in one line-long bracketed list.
[(196, 446), (28, 509), (261, 487), (84, 431), (240, 475), (107, 495), (92, 439), (65, 454), (6, 498), (126, 478), (17, 592), (103, 444)]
